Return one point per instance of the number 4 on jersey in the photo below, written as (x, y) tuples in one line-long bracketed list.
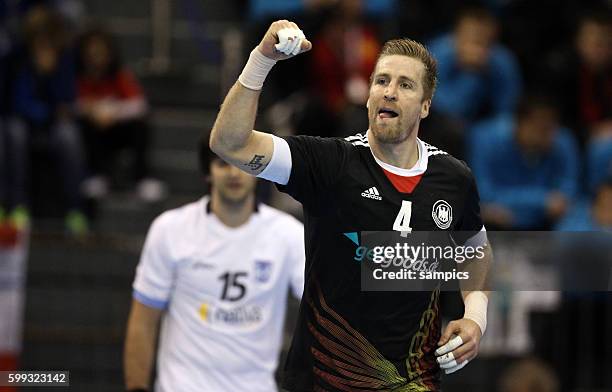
[(402, 220)]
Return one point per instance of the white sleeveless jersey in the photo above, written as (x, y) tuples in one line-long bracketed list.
[(224, 290)]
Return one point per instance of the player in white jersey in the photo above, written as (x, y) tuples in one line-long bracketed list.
[(216, 273)]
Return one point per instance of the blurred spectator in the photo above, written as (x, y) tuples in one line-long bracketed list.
[(592, 215), (343, 58), (112, 110), (598, 162), (582, 77), (43, 97), (72, 12), (529, 375), (441, 131), (422, 20), (262, 9), (478, 77), (526, 168)]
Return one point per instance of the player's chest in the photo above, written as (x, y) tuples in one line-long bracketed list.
[(230, 270), (373, 203)]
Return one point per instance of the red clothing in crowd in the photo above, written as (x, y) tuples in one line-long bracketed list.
[(123, 85), (333, 65)]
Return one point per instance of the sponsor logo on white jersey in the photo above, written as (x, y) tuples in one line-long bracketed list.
[(239, 316), (263, 270)]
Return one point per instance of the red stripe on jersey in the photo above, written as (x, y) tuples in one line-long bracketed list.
[(401, 183)]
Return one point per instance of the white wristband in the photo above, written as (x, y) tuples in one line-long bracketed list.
[(255, 71), (476, 308)]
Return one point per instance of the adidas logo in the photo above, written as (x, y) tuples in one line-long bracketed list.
[(371, 193)]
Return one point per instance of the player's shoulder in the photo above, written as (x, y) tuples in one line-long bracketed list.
[(277, 221), (358, 139), (440, 159), (357, 146), (357, 142), (273, 215), (329, 152), (319, 141), (342, 143), (178, 217)]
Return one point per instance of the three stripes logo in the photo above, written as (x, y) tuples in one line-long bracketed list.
[(371, 193)]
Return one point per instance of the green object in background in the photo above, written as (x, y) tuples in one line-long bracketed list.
[(20, 217), (76, 223)]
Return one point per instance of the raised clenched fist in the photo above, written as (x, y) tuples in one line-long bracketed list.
[(283, 40)]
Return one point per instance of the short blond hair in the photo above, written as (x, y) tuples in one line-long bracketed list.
[(411, 48)]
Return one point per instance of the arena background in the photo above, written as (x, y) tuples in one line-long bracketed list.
[(65, 294)]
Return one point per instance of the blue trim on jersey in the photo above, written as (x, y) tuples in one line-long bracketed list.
[(148, 301)]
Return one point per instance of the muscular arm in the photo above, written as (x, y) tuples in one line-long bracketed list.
[(478, 269), (232, 137), (139, 351)]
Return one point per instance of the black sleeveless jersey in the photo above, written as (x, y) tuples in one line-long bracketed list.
[(353, 340)]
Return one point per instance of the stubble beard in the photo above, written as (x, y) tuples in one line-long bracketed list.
[(394, 134)]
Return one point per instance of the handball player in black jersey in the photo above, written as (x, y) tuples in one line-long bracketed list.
[(381, 179)]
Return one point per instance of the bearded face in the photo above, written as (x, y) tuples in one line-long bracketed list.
[(396, 104)]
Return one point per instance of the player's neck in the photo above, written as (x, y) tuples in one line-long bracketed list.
[(403, 155), (232, 214)]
